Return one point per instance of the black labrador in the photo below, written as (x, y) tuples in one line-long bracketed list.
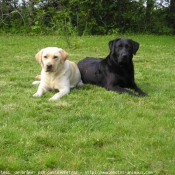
[(116, 71)]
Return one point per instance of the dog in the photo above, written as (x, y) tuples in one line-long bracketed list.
[(57, 72), (116, 71)]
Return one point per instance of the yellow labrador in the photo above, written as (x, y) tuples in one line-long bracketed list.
[(57, 72)]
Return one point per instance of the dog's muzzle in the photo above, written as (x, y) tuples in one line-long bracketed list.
[(49, 68), (123, 59)]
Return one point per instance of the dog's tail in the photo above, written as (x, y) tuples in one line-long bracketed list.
[(80, 83), (38, 77)]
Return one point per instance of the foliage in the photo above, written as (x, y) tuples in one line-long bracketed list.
[(86, 17), (90, 130)]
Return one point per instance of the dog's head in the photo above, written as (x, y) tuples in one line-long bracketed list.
[(51, 58), (122, 50)]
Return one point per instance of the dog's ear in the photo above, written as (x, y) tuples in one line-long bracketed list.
[(38, 56), (135, 46), (112, 44), (64, 55)]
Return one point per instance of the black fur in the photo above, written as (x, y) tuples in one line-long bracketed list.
[(116, 71)]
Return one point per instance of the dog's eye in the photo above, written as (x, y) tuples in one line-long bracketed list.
[(120, 46), (55, 57), (45, 57)]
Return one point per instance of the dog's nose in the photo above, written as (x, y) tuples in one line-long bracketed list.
[(124, 55), (49, 67)]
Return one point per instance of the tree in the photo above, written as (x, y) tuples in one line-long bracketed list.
[(172, 14), (31, 12), (121, 6), (149, 11)]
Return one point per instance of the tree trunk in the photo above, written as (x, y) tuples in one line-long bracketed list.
[(31, 12), (172, 6), (149, 8), (172, 13)]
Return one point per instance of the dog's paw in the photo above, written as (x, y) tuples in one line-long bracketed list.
[(54, 98), (37, 95), (143, 94), (36, 82)]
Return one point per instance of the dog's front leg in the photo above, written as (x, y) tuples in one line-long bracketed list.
[(120, 90), (63, 91), (41, 90)]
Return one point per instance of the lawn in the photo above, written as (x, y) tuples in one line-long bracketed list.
[(90, 130)]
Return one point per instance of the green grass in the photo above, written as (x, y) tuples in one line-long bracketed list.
[(91, 130)]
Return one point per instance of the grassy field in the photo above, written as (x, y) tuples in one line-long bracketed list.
[(91, 130)]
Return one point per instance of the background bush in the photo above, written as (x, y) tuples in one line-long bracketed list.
[(87, 17)]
